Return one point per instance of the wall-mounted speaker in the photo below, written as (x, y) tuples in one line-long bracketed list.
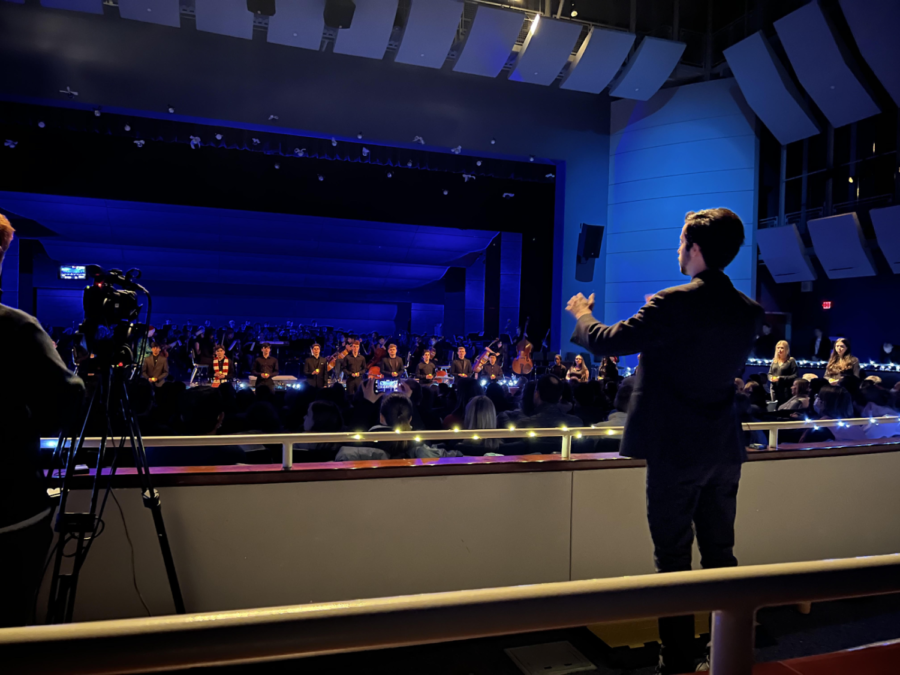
[(590, 240)]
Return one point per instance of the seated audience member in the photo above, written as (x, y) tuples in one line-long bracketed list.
[(480, 414), (743, 408), (809, 377), (587, 408), (523, 409), (841, 362), (799, 396), (203, 414), (465, 390), (548, 415), (878, 402), (738, 384), (155, 368), (833, 403), (497, 394), (222, 371), (623, 399), (757, 396), (322, 417)]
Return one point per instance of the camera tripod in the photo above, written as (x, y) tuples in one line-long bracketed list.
[(109, 403)]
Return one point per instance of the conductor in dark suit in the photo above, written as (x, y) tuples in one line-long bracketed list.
[(686, 428), (155, 367)]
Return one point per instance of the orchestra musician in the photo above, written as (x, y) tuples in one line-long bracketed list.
[(221, 366), (265, 368), (579, 371), (461, 366), (353, 366), (392, 365), (426, 368), (558, 368), (155, 367), (316, 367), (492, 369)]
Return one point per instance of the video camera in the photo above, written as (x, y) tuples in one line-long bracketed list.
[(110, 332)]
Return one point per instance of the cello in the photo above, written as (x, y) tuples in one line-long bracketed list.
[(522, 364), (483, 358)]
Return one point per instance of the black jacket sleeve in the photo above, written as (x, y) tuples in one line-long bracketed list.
[(648, 327)]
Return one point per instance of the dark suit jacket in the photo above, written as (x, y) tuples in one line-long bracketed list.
[(160, 371), (694, 340)]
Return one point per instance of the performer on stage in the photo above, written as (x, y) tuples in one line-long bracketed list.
[(315, 368), (492, 369), (265, 368), (426, 369), (392, 365), (221, 366), (558, 368), (461, 366), (155, 367), (353, 367), (578, 372)]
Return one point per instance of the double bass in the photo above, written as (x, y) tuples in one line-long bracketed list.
[(522, 364)]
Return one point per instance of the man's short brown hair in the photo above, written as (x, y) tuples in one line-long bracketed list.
[(6, 234)]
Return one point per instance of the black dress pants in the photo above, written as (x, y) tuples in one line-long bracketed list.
[(680, 501)]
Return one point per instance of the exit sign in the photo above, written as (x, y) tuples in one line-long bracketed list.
[(826, 304)]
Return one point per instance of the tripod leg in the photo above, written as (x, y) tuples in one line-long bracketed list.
[(151, 500)]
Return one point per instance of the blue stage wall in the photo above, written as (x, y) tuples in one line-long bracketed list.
[(218, 264), (686, 149)]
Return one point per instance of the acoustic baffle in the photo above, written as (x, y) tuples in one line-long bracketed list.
[(784, 253), (841, 247)]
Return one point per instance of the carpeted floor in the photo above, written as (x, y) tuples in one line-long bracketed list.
[(783, 633)]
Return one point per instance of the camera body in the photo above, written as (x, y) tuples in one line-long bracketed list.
[(110, 333)]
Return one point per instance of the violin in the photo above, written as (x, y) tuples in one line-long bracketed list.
[(523, 364), (375, 373)]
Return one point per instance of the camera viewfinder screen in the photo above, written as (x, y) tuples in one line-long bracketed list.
[(72, 272)]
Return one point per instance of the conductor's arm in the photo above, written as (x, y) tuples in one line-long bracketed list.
[(633, 335)]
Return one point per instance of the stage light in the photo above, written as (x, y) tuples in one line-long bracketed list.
[(333, 142), (478, 163), (455, 430), (321, 178), (397, 430), (564, 427), (456, 150), (365, 152), (273, 117), (532, 434), (359, 135), (171, 109), (578, 435), (475, 437), (418, 439), (574, 13), (609, 432), (127, 126), (277, 165), (493, 141), (357, 437), (850, 179), (140, 144), (389, 174), (419, 140), (512, 427), (446, 192), (10, 143)]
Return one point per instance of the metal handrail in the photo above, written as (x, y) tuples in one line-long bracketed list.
[(243, 636), (565, 433)]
